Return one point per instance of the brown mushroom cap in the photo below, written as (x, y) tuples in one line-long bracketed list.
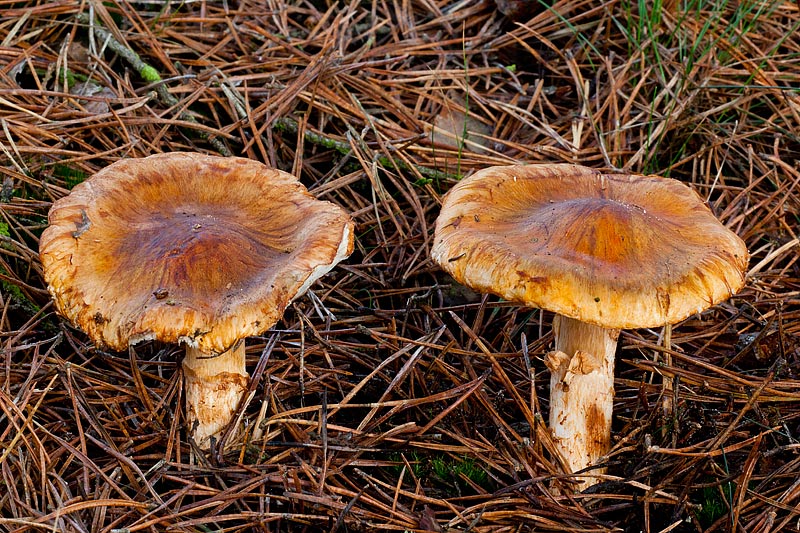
[(617, 251), (185, 247)]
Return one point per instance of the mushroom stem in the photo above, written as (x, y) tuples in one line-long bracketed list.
[(582, 392), (214, 385)]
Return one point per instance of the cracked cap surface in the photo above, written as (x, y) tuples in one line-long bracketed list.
[(618, 251), (186, 247)]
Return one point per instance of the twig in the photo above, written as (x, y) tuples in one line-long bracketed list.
[(150, 75)]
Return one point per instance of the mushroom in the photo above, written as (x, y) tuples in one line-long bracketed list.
[(192, 249), (602, 251)]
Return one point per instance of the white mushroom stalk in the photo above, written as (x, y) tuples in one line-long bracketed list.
[(581, 392), (213, 385)]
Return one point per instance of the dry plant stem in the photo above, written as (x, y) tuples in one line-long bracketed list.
[(214, 385), (344, 148), (151, 75), (581, 392), (668, 385)]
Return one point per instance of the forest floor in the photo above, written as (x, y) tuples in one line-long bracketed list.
[(390, 398)]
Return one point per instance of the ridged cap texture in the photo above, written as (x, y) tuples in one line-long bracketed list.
[(614, 250), (186, 247)]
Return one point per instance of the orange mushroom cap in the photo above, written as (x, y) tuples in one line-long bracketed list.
[(185, 247), (617, 251)]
